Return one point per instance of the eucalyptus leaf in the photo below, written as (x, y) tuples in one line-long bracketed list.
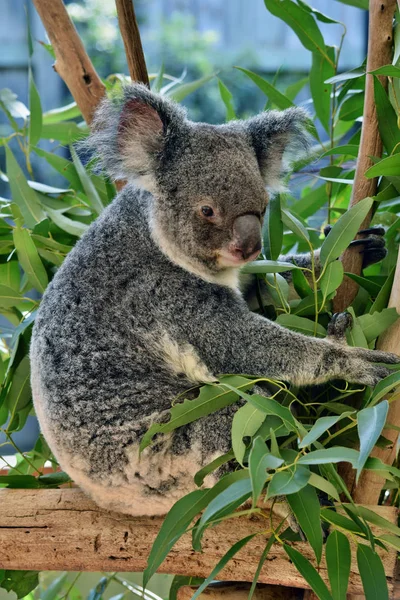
[(260, 461), (29, 259), (338, 561), (246, 422), (23, 196), (330, 455), (307, 510), (279, 99), (344, 231), (273, 229), (35, 109), (320, 426), (268, 266), (322, 69), (301, 324), (309, 573), (370, 423), (372, 574), (292, 480), (227, 99)]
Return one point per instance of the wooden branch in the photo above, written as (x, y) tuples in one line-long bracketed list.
[(132, 42), (241, 592), (380, 41), (72, 63), (62, 530), (370, 484)]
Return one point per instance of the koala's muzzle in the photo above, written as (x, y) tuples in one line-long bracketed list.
[(247, 236)]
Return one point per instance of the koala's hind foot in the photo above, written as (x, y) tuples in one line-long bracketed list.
[(372, 247)]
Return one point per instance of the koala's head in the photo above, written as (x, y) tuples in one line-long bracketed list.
[(210, 183)]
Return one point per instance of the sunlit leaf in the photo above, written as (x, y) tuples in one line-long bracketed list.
[(227, 99), (29, 259), (22, 194), (35, 108)]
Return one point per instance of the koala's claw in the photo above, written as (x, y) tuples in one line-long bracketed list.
[(338, 325), (373, 246)]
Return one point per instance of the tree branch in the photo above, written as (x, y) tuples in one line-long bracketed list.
[(72, 63), (64, 530), (132, 42), (380, 42)]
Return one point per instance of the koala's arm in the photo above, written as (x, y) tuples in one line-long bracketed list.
[(231, 339)]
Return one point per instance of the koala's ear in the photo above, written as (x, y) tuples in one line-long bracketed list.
[(278, 137), (130, 133)]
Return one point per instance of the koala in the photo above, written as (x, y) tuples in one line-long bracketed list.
[(147, 304)]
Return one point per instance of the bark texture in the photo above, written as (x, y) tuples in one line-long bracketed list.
[(64, 530), (132, 42), (380, 43)]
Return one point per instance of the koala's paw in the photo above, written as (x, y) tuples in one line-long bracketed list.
[(360, 366), (372, 247), (337, 327)]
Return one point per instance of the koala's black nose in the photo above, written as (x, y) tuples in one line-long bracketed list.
[(247, 235)]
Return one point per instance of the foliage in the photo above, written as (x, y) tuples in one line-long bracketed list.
[(290, 442)]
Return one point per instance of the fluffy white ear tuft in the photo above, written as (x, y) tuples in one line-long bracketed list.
[(278, 138), (130, 133)]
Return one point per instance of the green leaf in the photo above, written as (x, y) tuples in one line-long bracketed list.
[(212, 466), (307, 510), (330, 455), (9, 297), (267, 405), (301, 285), (375, 324), (247, 420), (221, 564), (53, 590), (387, 70), (181, 91), (54, 479), (296, 226), (25, 198), (352, 107), (371, 287), (19, 395), (344, 231), (212, 397), (372, 574), (374, 518), (370, 423), (310, 202), (320, 426), (76, 228), (389, 166), (339, 520), (387, 118), (228, 500), (354, 335), (97, 592), (63, 166), (29, 259), (332, 278), (321, 70), (92, 196), (347, 150), (227, 99), (64, 113), (318, 15), (268, 266), (322, 484), (288, 482), (301, 22), (279, 99), (382, 298), (174, 526), (385, 386), (20, 582), (35, 109), (338, 560), (65, 133), (309, 573), (273, 229), (260, 460), (301, 324)]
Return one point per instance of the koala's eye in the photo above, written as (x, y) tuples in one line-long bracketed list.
[(207, 211)]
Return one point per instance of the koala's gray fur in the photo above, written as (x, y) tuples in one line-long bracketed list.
[(144, 306)]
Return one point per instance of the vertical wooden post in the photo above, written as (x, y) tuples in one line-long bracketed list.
[(380, 42)]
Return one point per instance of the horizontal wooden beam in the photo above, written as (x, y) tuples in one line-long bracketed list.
[(63, 530)]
